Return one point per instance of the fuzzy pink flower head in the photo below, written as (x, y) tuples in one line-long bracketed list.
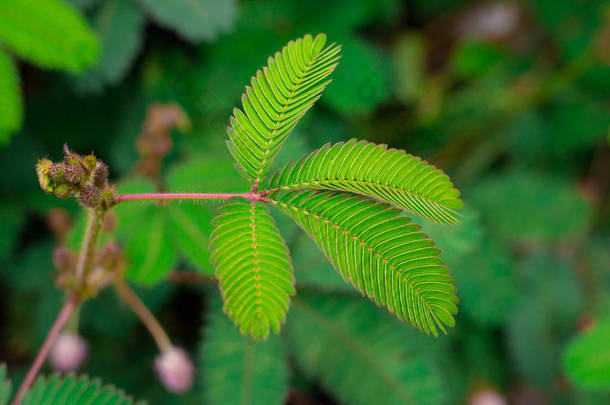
[(175, 370), (487, 397), (68, 352)]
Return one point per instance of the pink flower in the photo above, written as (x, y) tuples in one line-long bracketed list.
[(68, 352), (175, 370)]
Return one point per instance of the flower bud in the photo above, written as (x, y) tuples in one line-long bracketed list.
[(62, 258), (175, 370), (487, 397), (42, 170), (90, 197), (63, 191), (58, 221), (57, 172), (68, 352), (100, 174), (75, 174), (109, 256)]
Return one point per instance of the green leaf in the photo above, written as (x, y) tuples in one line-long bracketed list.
[(236, 370), (253, 268), (389, 175), (151, 254), (73, 390), (358, 354), (586, 359), (527, 205), (544, 315), (363, 80), (49, 33), (195, 20), (191, 221), (279, 96), (11, 104), (5, 386), (379, 252), (190, 228), (208, 173), (120, 27)]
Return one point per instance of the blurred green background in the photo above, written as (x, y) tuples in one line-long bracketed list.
[(511, 98)]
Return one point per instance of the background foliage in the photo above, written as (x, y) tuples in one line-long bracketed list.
[(510, 98)]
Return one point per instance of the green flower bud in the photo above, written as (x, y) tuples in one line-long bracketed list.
[(63, 191), (100, 174), (75, 174), (42, 170), (90, 197)]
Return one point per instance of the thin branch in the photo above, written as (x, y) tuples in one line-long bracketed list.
[(94, 222), (147, 318), (188, 277), (64, 314), (252, 196)]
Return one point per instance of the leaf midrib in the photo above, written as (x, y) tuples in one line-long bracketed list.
[(328, 182), (363, 244), (276, 123)]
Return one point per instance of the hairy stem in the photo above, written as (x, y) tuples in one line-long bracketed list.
[(87, 249), (252, 196), (64, 314), (147, 318)]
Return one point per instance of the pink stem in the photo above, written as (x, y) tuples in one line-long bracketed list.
[(63, 316), (189, 196)]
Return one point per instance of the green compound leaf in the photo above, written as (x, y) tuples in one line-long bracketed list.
[(360, 355), (120, 27), (5, 386), (48, 33), (235, 370), (150, 252), (11, 103), (379, 252), (279, 95), (389, 175), (526, 205), (253, 268), (74, 390), (586, 359), (195, 20)]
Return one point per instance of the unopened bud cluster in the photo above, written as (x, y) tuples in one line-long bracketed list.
[(155, 142), (84, 177)]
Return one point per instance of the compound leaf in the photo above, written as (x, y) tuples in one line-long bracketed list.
[(389, 175), (150, 252), (279, 95), (120, 27), (236, 370), (195, 20), (360, 355), (49, 33), (253, 268), (73, 390), (379, 252)]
